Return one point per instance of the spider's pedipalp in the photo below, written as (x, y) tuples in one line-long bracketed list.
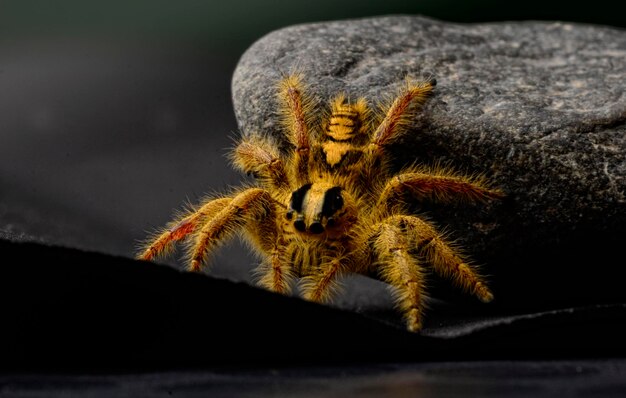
[(400, 269), (295, 108), (322, 286), (260, 157), (179, 229), (251, 204)]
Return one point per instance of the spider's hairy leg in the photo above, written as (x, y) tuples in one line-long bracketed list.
[(260, 157), (437, 185), (400, 269), (399, 113), (275, 275), (250, 204), (444, 258), (162, 242), (322, 286), (296, 108)]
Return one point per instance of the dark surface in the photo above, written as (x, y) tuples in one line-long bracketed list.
[(82, 323), (538, 379), (77, 322), (101, 141), (89, 310)]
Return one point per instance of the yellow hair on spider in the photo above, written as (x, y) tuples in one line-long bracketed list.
[(296, 108), (400, 111)]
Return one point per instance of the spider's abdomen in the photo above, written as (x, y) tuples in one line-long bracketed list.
[(333, 156), (343, 123), (344, 136)]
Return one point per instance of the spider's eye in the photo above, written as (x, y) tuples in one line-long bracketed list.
[(333, 201), (300, 225), (297, 197)]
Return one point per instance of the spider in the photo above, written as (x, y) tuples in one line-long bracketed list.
[(331, 206)]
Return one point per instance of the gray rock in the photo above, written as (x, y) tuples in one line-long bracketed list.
[(539, 107)]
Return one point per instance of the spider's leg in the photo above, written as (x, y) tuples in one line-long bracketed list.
[(260, 157), (296, 109), (444, 258), (399, 268), (276, 275), (399, 113), (321, 287), (250, 204), (438, 185), (163, 241)]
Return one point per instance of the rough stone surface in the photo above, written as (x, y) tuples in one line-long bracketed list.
[(539, 107)]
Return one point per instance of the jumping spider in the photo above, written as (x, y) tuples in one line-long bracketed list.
[(332, 206)]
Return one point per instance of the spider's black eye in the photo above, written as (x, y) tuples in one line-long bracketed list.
[(300, 225), (289, 215), (316, 228), (333, 201), (297, 197)]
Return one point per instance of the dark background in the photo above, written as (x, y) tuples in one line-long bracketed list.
[(112, 114)]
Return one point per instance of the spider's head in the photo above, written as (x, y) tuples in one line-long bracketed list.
[(346, 120), (320, 207)]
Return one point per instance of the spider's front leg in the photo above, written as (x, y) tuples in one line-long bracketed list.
[(162, 242), (275, 274), (321, 286), (247, 207)]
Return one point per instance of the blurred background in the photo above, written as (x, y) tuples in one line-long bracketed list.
[(112, 114)]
